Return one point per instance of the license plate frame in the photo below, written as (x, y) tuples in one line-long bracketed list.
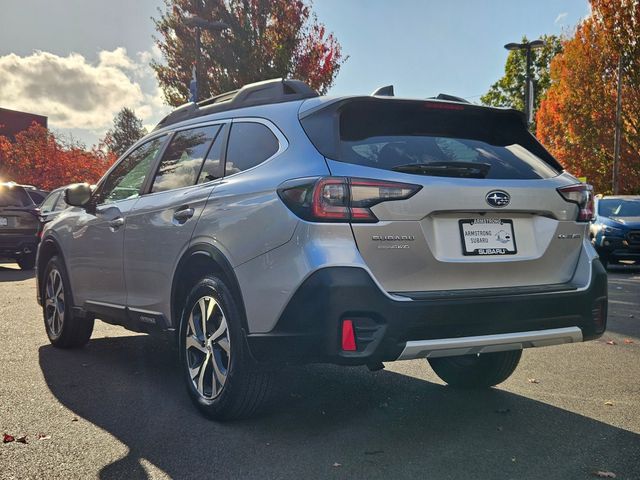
[(493, 246)]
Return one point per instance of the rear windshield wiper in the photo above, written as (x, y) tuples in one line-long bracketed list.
[(446, 169)]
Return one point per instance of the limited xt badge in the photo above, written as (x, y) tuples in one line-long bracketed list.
[(498, 198)]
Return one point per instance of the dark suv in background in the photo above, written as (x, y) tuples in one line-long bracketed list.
[(19, 225), (615, 230)]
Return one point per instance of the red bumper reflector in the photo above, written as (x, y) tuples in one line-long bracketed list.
[(348, 336)]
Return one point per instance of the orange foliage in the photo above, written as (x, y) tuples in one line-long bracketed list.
[(576, 119), (38, 158)]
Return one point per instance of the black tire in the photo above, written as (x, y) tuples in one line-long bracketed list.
[(66, 330), (27, 262), (246, 386), (476, 371)]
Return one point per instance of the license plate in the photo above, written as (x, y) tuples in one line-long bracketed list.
[(4, 221), (487, 236)]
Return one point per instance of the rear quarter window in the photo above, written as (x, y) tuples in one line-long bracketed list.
[(250, 144)]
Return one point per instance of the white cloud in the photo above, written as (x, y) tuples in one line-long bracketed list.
[(77, 94), (560, 18)]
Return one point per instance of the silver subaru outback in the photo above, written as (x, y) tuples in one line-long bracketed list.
[(272, 226)]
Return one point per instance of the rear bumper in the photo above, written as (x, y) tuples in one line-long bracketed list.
[(386, 328), (13, 245)]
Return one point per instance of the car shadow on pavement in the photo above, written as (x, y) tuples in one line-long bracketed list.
[(11, 274), (326, 421)]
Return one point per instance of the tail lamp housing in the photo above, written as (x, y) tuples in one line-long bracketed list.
[(582, 195), (341, 199)]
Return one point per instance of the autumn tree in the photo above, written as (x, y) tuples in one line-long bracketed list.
[(576, 119), (265, 39), (127, 130), (509, 90), (37, 158)]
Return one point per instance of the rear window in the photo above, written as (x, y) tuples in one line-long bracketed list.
[(14, 196), (442, 139)]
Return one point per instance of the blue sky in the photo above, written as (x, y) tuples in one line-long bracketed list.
[(79, 61)]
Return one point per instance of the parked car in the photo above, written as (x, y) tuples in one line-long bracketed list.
[(615, 230), (53, 204), (36, 194), (271, 225), (19, 225)]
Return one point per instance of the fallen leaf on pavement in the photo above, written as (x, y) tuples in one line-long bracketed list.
[(42, 436), (22, 439), (609, 403), (6, 438), (603, 474), (611, 342), (533, 380), (628, 341)]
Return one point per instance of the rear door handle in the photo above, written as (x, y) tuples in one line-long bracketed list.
[(116, 223), (183, 215)]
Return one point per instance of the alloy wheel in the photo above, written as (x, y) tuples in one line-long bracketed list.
[(207, 346), (54, 303)]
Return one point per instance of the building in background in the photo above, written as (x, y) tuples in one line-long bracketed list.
[(13, 122)]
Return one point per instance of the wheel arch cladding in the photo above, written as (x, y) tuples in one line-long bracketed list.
[(200, 260), (46, 251)]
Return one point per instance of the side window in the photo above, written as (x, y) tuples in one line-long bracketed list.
[(183, 159), (61, 204), (127, 177), (49, 203), (212, 168), (249, 145)]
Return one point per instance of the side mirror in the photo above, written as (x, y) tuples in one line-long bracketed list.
[(78, 194)]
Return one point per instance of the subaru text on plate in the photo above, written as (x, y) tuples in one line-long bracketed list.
[(270, 225)]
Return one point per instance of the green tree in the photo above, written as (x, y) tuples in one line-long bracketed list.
[(510, 89), (127, 130), (266, 39)]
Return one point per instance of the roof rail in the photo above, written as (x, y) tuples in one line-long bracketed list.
[(278, 90)]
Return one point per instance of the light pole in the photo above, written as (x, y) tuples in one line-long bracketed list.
[(200, 23), (528, 88), (618, 129)]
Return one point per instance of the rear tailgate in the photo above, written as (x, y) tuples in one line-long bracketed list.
[(19, 223), (508, 228)]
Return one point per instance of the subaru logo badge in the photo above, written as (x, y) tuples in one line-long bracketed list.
[(498, 198)]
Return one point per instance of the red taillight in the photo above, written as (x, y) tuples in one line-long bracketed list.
[(341, 199), (331, 200), (348, 336), (581, 195)]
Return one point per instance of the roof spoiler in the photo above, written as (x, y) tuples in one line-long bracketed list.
[(450, 98), (261, 93)]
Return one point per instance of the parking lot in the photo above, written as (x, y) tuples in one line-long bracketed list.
[(117, 409)]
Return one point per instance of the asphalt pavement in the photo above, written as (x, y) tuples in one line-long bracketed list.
[(117, 409)]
